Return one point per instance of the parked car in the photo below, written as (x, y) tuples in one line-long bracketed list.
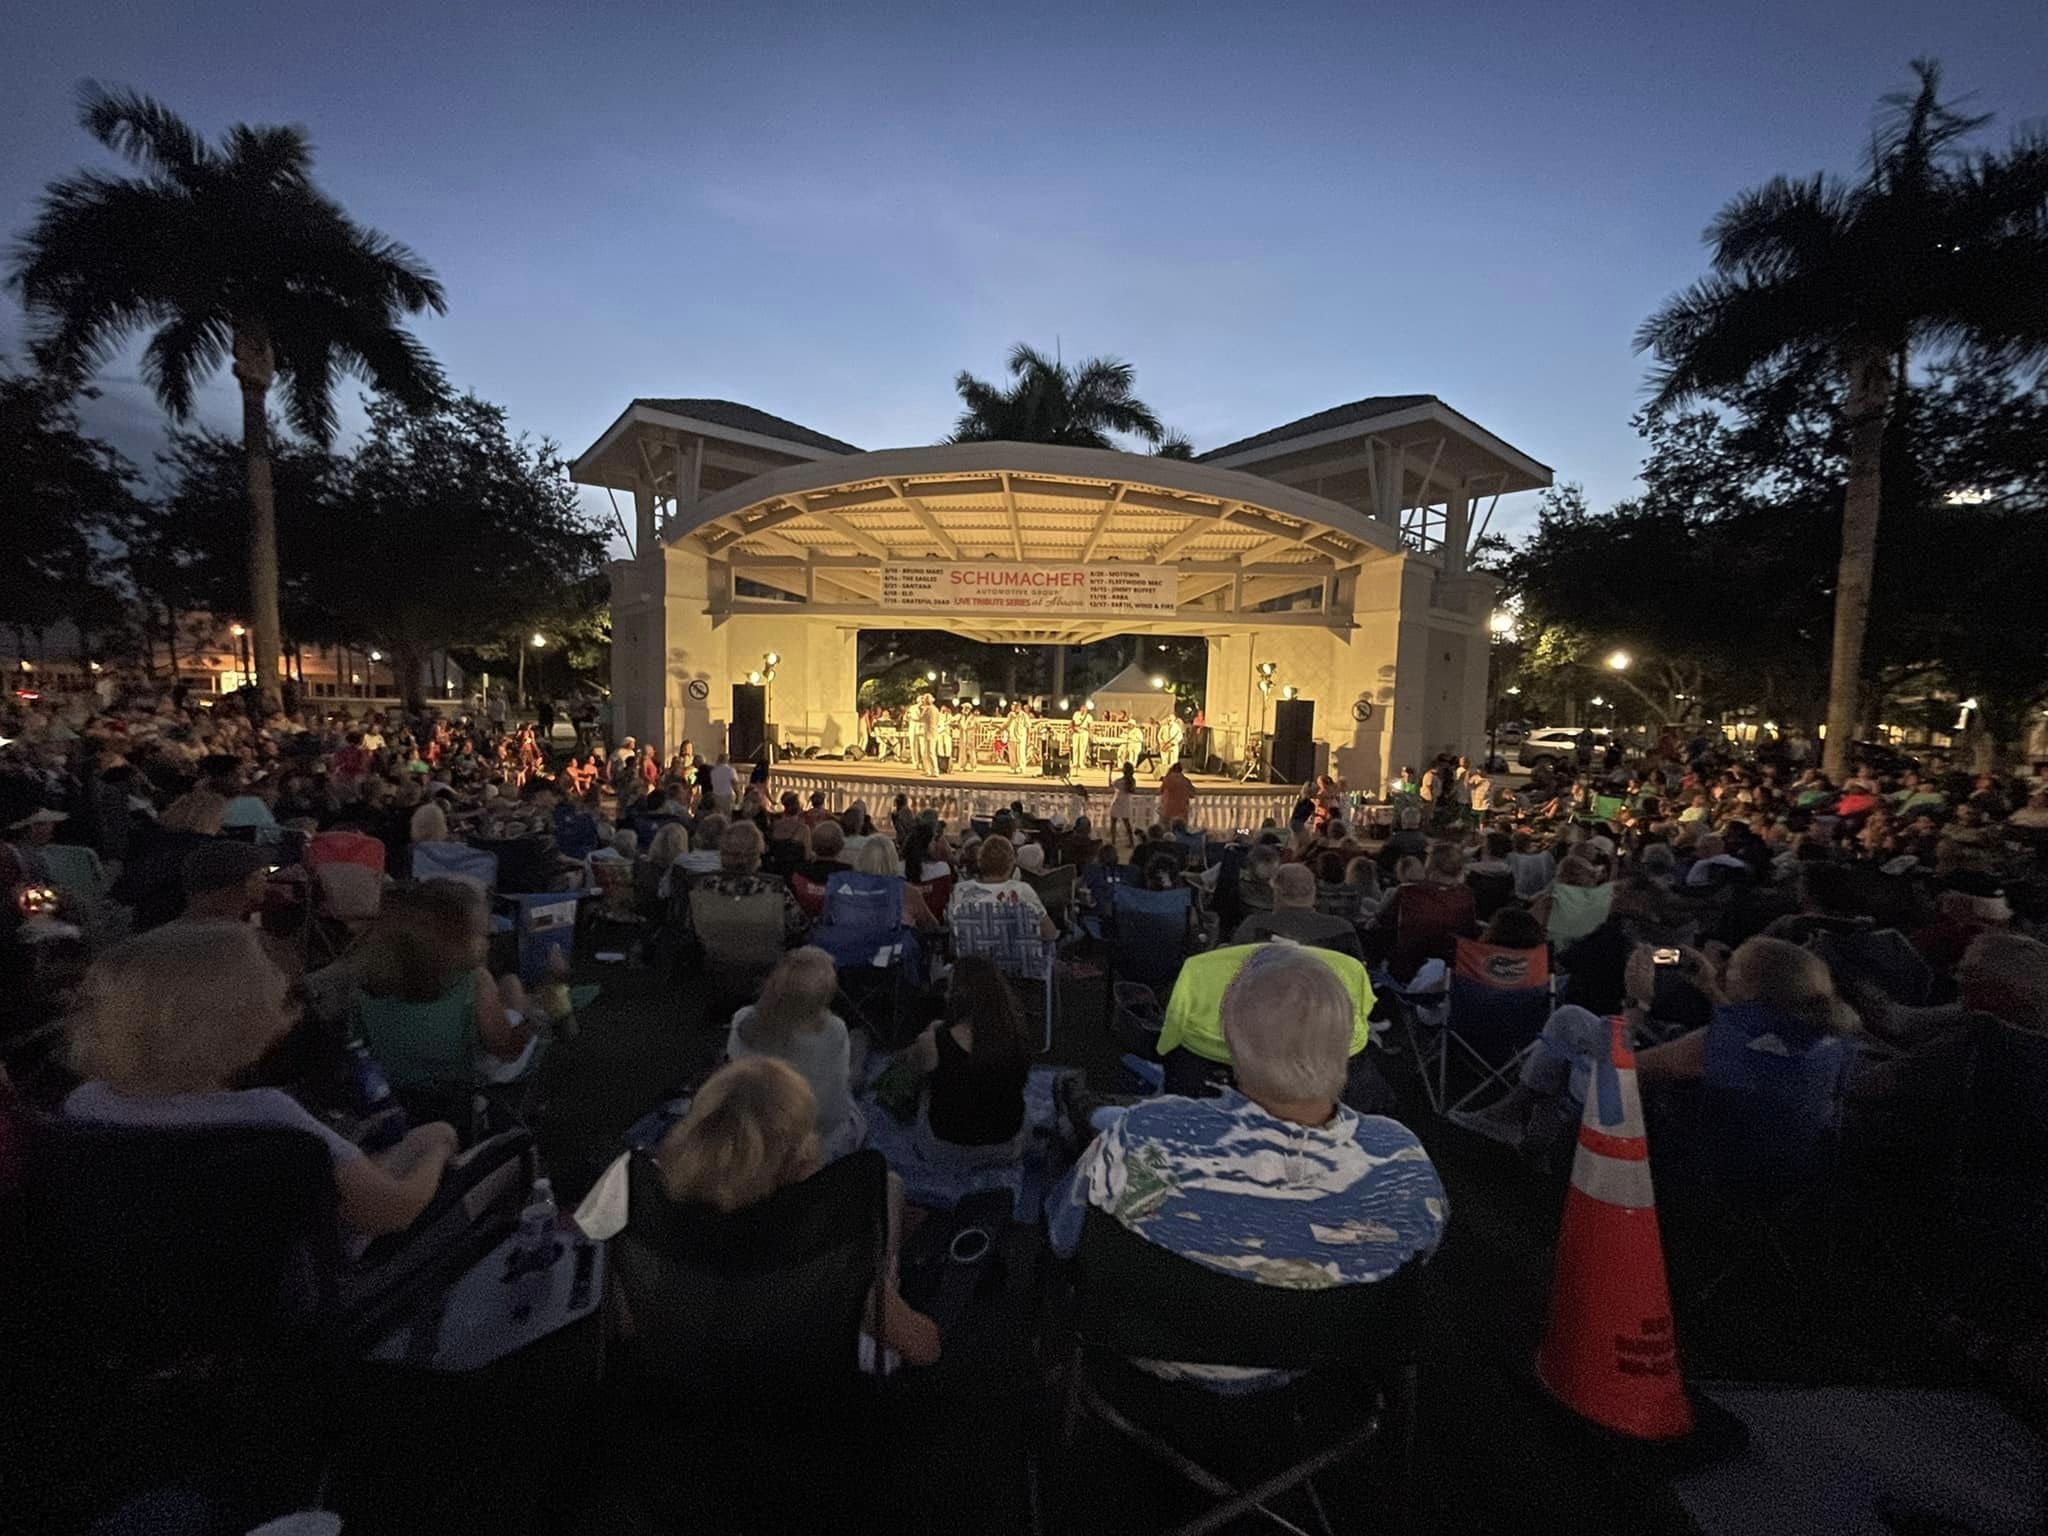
[(1556, 744)]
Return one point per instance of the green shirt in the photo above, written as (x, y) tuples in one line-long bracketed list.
[(1194, 1015)]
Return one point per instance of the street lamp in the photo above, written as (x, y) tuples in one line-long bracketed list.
[(1158, 682), (538, 642), (241, 634), (1617, 661), (1502, 623)]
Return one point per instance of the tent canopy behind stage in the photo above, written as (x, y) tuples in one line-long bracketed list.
[(1132, 692)]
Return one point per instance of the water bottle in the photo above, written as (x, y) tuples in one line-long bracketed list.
[(530, 1269), (377, 1111), (371, 1087)]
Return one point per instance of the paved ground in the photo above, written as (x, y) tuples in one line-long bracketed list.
[(1493, 1457)]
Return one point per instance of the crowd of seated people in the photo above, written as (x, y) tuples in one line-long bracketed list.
[(1799, 917)]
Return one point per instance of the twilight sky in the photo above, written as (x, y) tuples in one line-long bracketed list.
[(825, 210)]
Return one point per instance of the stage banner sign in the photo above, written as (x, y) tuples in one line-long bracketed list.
[(1001, 586)]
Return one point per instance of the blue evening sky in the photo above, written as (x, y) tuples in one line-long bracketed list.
[(826, 210)]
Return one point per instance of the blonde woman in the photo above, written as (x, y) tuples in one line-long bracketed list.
[(877, 856), (793, 1023), (168, 1021), (752, 1132)]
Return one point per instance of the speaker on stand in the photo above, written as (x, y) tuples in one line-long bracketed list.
[(747, 737), (1293, 753)]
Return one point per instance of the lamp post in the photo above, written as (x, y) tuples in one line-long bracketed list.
[(538, 642), (769, 661), (241, 634), (1255, 759)]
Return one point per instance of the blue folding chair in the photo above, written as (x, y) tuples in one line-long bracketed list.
[(1765, 1144), (1147, 938), (862, 921)]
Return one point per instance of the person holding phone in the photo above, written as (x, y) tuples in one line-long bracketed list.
[(1772, 996)]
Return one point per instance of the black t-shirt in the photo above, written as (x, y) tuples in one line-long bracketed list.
[(974, 1104)]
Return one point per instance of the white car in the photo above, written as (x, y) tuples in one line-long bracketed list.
[(1556, 744)]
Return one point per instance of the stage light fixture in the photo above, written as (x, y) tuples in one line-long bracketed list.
[(754, 678), (772, 659), (1289, 691)]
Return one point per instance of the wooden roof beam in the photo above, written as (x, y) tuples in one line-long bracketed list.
[(925, 518), (1102, 522)]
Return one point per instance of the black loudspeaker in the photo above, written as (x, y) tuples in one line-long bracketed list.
[(748, 734), (1294, 741)]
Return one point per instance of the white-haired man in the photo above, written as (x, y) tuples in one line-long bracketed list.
[(1274, 1181)]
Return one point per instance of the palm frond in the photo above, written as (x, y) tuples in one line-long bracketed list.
[(1714, 333), (271, 155), (1781, 227), (185, 350), (143, 130), (1917, 129), (1025, 359), (1174, 445)]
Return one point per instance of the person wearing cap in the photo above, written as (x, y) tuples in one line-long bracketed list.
[(223, 881), (1971, 903)]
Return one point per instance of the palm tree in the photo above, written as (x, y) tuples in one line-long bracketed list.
[(1047, 401), (1933, 251), (228, 253)]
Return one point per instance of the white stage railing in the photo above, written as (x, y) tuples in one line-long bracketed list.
[(1218, 812)]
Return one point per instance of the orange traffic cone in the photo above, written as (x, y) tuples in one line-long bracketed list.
[(1609, 1351)]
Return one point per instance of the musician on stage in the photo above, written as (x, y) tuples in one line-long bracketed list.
[(942, 739), (1082, 738), (965, 745), (1134, 743), (1017, 733), (1171, 736)]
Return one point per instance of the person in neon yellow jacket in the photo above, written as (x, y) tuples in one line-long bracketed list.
[(1194, 1014)]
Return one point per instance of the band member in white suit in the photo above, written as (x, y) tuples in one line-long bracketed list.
[(1134, 743), (942, 740), (913, 734), (1171, 735), (1083, 737), (1017, 731), (965, 747)]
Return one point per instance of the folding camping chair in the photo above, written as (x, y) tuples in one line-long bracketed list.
[(1351, 1349), (861, 928), (1499, 1003), (1006, 933), (742, 942), (1765, 1142), (347, 874), (1055, 887), (1147, 936)]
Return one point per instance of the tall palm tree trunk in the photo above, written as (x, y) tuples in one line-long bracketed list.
[(255, 368), (1870, 399)]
